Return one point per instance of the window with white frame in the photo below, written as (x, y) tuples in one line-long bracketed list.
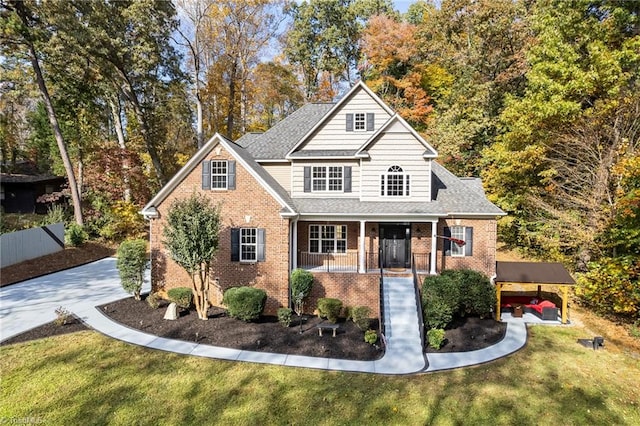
[(457, 234), (327, 238), (248, 244), (395, 183), (359, 121), (327, 178), (218, 174)]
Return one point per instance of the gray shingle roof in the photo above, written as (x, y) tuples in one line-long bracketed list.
[(281, 138), (310, 153)]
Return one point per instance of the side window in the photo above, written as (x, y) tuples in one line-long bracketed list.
[(458, 241), (247, 245), (218, 174)]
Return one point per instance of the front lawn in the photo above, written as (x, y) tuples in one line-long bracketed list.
[(85, 378)]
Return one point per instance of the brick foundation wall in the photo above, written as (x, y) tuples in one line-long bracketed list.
[(248, 206), (351, 288)]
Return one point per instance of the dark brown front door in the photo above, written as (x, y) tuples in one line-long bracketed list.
[(395, 240)]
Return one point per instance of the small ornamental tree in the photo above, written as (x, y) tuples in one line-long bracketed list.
[(132, 259), (191, 236), (301, 283)]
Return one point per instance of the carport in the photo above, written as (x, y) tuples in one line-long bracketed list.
[(533, 276)]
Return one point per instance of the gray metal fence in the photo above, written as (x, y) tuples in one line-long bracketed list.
[(28, 244)]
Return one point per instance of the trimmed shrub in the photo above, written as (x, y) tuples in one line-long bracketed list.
[(371, 337), (244, 303), (75, 235), (284, 316), (132, 259), (181, 296), (329, 308), (360, 316), (301, 282), (435, 336)]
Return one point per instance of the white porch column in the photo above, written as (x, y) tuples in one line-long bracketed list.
[(434, 246), (361, 256), (294, 245)]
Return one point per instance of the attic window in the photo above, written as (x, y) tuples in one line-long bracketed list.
[(359, 121), (218, 175), (395, 183)]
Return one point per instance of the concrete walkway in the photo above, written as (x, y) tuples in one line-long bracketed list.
[(33, 302)]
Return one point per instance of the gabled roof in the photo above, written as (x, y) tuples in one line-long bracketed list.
[(430, 152), (243, 157), (276, 142), (357, 87)]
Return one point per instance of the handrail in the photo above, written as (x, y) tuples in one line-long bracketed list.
[(416, 287), (381, 297)]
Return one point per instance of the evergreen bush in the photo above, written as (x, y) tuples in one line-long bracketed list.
[(437, 312), (329, 308), (181, 296), (360, 315), (132, 260), (244, 303)]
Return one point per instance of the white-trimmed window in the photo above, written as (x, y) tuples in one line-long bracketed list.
[(248, 244), (457, 234), (327, 178), (359, 121), (219, 174), (327, 238), (395, 183)]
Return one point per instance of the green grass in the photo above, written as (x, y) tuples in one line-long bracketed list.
[(85, 378)]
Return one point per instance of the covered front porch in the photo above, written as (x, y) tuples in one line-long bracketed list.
[(365, 246)]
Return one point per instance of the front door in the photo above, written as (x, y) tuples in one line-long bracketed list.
[(395, 240)]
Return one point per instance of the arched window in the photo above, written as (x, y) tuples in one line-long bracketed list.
[(395, 183)]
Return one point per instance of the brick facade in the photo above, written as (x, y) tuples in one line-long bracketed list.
[(248, 206), (484, 246), (351, 288)]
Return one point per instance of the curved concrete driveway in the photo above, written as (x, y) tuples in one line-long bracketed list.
[(79, 290)]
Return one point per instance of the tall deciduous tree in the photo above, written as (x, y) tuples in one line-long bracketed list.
[(237, 33), (23, 27), (191, 236)]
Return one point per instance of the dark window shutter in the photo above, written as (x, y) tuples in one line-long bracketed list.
[(235, 244), (206, 174), (347, 179), (349, 122), (260, 255), (307, 178), (447, 242), (231, 174), (468, 241), (370, 121)]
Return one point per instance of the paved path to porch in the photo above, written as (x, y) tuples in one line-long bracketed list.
[(32, 303)]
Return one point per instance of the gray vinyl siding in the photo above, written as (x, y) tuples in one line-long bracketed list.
[(400, 149), (333, 134), (297, 174), (281, 172)]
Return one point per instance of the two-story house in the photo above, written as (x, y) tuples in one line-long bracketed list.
[(341, 189)]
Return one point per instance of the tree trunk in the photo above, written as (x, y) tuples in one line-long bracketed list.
[(117, 124), (53, 120), (232, 98)]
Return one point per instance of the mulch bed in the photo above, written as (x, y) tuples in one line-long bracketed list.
[(264, 335), (470, 334)]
